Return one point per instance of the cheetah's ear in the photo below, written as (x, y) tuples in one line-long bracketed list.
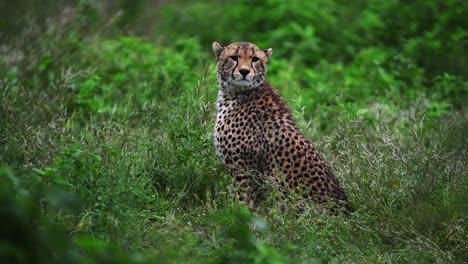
[(217, 49), (268, 52)]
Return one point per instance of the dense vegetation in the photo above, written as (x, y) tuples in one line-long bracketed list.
[(107, 109)]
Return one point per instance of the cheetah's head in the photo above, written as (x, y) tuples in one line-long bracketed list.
[(241, 65)]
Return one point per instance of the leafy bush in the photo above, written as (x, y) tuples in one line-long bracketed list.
[(29, 236)]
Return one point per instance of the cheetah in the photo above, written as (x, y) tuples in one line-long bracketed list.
[(258, 139)]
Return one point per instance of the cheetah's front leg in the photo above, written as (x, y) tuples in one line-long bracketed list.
[(248, 188)]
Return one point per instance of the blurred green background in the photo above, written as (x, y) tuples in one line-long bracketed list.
[(107, 109)]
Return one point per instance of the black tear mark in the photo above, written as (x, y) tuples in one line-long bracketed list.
[(232, 73), (251, 62)]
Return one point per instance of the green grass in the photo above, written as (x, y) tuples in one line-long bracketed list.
[(106, 151)]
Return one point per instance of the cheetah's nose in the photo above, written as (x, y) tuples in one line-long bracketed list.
[(244, 72)]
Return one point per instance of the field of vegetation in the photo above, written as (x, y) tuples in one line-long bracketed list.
[(107, 111)]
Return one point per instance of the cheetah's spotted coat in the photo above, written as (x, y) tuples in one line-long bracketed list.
[(258, 139)]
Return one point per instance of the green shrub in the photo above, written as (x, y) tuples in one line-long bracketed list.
[(30, 236)]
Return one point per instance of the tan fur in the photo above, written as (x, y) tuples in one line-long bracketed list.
[(258, 139)]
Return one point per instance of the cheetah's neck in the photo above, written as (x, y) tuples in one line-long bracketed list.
[(237, 93)]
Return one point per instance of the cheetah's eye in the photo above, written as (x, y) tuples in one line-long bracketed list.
[(255, 59), (234, 58)]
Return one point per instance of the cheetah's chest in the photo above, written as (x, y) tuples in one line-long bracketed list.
[(238, 134)]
